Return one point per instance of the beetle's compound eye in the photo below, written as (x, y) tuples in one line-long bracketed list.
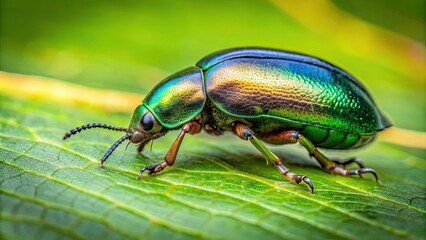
[(147, 121), (149, 124)]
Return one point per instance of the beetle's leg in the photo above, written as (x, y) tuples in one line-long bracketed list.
[(192, 127), (246, 133), (331, 166), (355, 160), (349, 161), (141, 147)]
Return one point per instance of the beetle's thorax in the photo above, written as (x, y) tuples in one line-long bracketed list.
[(178, 98)]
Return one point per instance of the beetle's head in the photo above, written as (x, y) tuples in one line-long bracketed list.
[(173, 102), (144, 126)]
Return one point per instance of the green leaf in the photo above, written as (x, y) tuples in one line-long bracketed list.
[(220, 187)]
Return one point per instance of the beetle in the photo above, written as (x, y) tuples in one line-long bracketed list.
[(262, 95)]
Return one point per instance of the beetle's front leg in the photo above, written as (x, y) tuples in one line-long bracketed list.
[(246, 133), (192, 127), (141, 146)]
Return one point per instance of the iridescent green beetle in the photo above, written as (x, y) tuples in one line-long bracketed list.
[(260, 94)]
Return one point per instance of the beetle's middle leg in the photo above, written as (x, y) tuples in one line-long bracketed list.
[(292, 136), (192, 127), (246, 133)]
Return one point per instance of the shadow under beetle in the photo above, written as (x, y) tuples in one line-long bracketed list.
[(263, 94)]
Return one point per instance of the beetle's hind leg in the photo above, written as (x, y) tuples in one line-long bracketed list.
[(355, 160), (246, 133), (292, 136)]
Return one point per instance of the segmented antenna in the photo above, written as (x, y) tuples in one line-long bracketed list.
[(93, 125), (114, 146)]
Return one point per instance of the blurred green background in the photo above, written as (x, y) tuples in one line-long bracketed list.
[(132, 45)]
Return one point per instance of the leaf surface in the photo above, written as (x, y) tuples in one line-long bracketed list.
[(220, 187)]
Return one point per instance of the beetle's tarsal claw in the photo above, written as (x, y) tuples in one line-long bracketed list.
[(300, 178), (359, 172), (309, 183), (368, 170), (295, 177), (141, 171), (349, 161), (153, 169)]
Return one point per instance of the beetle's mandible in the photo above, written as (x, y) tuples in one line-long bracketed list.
[(262, 95)]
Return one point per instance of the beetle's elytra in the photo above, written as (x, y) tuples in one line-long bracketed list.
[(262, 95)]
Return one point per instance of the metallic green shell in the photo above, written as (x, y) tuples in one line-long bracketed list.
[(178, 98), (277, 87)]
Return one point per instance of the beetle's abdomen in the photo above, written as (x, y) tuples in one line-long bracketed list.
[(270, 130), (292, 91)]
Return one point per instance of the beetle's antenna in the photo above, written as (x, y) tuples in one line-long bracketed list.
[(114, 146), (93, 125)]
